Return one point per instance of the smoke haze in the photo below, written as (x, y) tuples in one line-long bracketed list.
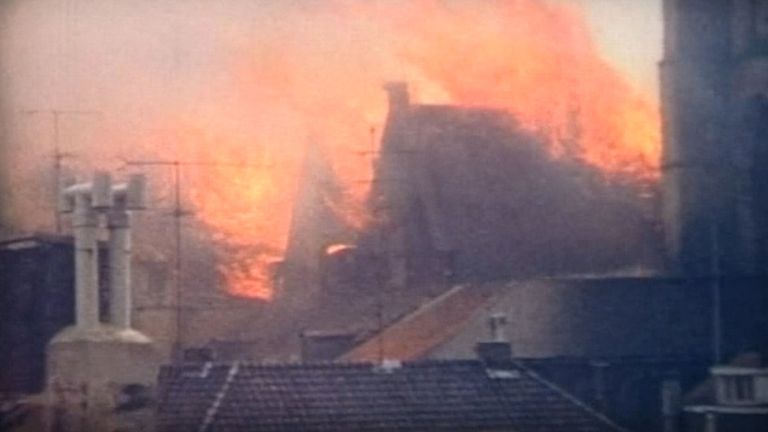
[(245, 86)]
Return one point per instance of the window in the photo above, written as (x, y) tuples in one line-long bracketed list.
[(736, 389), (741, 386)]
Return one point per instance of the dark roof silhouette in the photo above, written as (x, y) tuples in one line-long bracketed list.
[(475, 186), (427, 396)]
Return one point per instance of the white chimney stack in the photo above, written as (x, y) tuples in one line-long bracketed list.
[(497, 324), (85, 223), (126, 197), (87, 202)]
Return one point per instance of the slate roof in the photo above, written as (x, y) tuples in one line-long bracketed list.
[(426, 396)]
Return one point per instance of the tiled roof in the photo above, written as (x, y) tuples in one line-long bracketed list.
[(427, 396)]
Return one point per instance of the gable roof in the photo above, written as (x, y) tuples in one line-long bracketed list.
[(416, 334), (427, 396), (608, 317)]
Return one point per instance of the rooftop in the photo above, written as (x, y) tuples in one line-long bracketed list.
[(425, 396)]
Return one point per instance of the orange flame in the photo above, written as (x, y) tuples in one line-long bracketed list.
[(318, 72)]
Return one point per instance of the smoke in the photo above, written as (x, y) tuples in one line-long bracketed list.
[(238, 89)]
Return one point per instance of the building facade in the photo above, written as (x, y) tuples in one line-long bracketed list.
[(714, 79)]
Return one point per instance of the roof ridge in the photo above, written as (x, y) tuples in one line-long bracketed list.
[(479, 296), (571, 398), (426, 306), (210, 414), (349, 364)]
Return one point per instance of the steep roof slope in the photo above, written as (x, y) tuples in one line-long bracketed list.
[(416, 334)]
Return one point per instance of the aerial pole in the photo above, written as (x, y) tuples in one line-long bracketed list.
[(387, 222), (178, 212), (58, 155), (715, 285)]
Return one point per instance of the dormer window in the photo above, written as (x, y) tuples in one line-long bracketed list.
[(741, 386), (739, 389)]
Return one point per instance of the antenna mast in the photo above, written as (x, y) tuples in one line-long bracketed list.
[(58, 155)]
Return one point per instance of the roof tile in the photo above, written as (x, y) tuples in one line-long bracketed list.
[(425, 396)]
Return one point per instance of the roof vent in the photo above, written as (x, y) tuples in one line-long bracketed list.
[(503, 373), (389, 366), (398, 95)]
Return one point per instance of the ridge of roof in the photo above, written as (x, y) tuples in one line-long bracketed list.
[(440, 395), (469, 109), (210, 414), (564, 393), (422, 326)]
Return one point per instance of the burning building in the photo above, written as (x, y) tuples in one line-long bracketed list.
[(529, 175), (465, 193), (458, 194)]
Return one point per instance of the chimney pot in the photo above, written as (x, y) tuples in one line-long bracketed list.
[(496, 324), (101, 191), (136, 197), (398, 95)]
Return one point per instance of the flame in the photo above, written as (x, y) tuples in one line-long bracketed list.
[(336, 248), (315, 75), (538, 61)]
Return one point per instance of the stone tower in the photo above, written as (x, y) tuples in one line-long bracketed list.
[(714, 79)]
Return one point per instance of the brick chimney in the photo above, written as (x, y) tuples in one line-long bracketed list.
[(397, 92), (498, 349)]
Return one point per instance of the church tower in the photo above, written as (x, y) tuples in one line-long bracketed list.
[(714, 79)]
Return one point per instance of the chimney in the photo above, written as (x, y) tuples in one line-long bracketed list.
[(397, 92), (496, 324), (87, 202), (85, 223), (126, 198), (318, 346), (498, 350)]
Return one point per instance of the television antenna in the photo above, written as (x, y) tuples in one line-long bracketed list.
[(58, 155), (178, 212)]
